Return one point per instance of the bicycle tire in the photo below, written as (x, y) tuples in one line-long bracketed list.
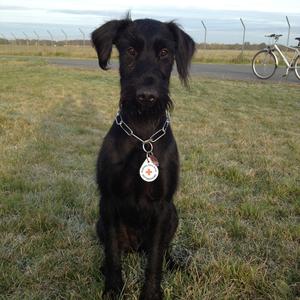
[(264, 64), (297, 67)]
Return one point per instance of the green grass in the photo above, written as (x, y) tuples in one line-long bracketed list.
[(238, 202), (201, 56)]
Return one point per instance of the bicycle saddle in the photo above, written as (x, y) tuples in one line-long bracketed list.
[(297, 38)]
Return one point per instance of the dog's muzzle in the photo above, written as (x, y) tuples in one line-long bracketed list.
[(146, 95)]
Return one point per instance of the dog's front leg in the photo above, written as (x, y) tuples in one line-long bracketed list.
[(112, 264), (165, 225)]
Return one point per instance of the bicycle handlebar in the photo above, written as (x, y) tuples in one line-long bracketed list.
[(273, 35)]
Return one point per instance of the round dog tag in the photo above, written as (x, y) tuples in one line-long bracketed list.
[(148, 171)]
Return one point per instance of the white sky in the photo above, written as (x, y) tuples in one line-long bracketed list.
[(288, 6), (222, 17)]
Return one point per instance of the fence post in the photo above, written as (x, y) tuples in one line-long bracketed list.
[(289, 30), (83, 35), (205, 33), (66, 37), (244, 33), (51, 36), (27, 39), (4, 38), (14, 38), (37, 43)]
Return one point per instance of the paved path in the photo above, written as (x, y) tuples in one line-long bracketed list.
[(228, 72)]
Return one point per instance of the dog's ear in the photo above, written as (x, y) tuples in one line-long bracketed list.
[(185, 48), (104, 37)]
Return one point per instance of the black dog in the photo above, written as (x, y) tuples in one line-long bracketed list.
[(136, 207)]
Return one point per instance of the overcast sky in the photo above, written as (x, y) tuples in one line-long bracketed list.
[(222, 17), (288, 6)]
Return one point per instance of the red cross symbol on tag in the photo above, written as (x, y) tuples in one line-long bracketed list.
[(148, 171)]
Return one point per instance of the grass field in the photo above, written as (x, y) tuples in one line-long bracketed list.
[(201, 56), (238, 202)]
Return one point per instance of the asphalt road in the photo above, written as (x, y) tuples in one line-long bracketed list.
[(225, 72)]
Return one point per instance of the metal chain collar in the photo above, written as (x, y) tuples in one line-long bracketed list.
[(153, 138)]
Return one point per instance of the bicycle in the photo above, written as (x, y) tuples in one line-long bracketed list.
[(265, 61)]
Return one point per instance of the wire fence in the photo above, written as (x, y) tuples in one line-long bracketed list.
[(205, 31), (47, 38)]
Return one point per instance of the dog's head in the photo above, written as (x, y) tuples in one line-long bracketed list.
[(147, 50)]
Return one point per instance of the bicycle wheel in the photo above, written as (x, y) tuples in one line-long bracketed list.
[(297, 67), (264, 64)]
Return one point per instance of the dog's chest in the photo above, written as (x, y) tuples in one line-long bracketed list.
[(131, 184), (120, 162)]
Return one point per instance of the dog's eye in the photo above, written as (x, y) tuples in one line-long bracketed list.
[(131, 51), (163, 52)]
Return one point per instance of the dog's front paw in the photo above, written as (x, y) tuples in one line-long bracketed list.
[(112, 289), (151, 294), (110, 294)]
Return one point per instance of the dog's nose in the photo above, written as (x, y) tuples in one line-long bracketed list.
[(145, 95)]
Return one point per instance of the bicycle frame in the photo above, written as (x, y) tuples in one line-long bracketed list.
[(265, 61), (289, 65)]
